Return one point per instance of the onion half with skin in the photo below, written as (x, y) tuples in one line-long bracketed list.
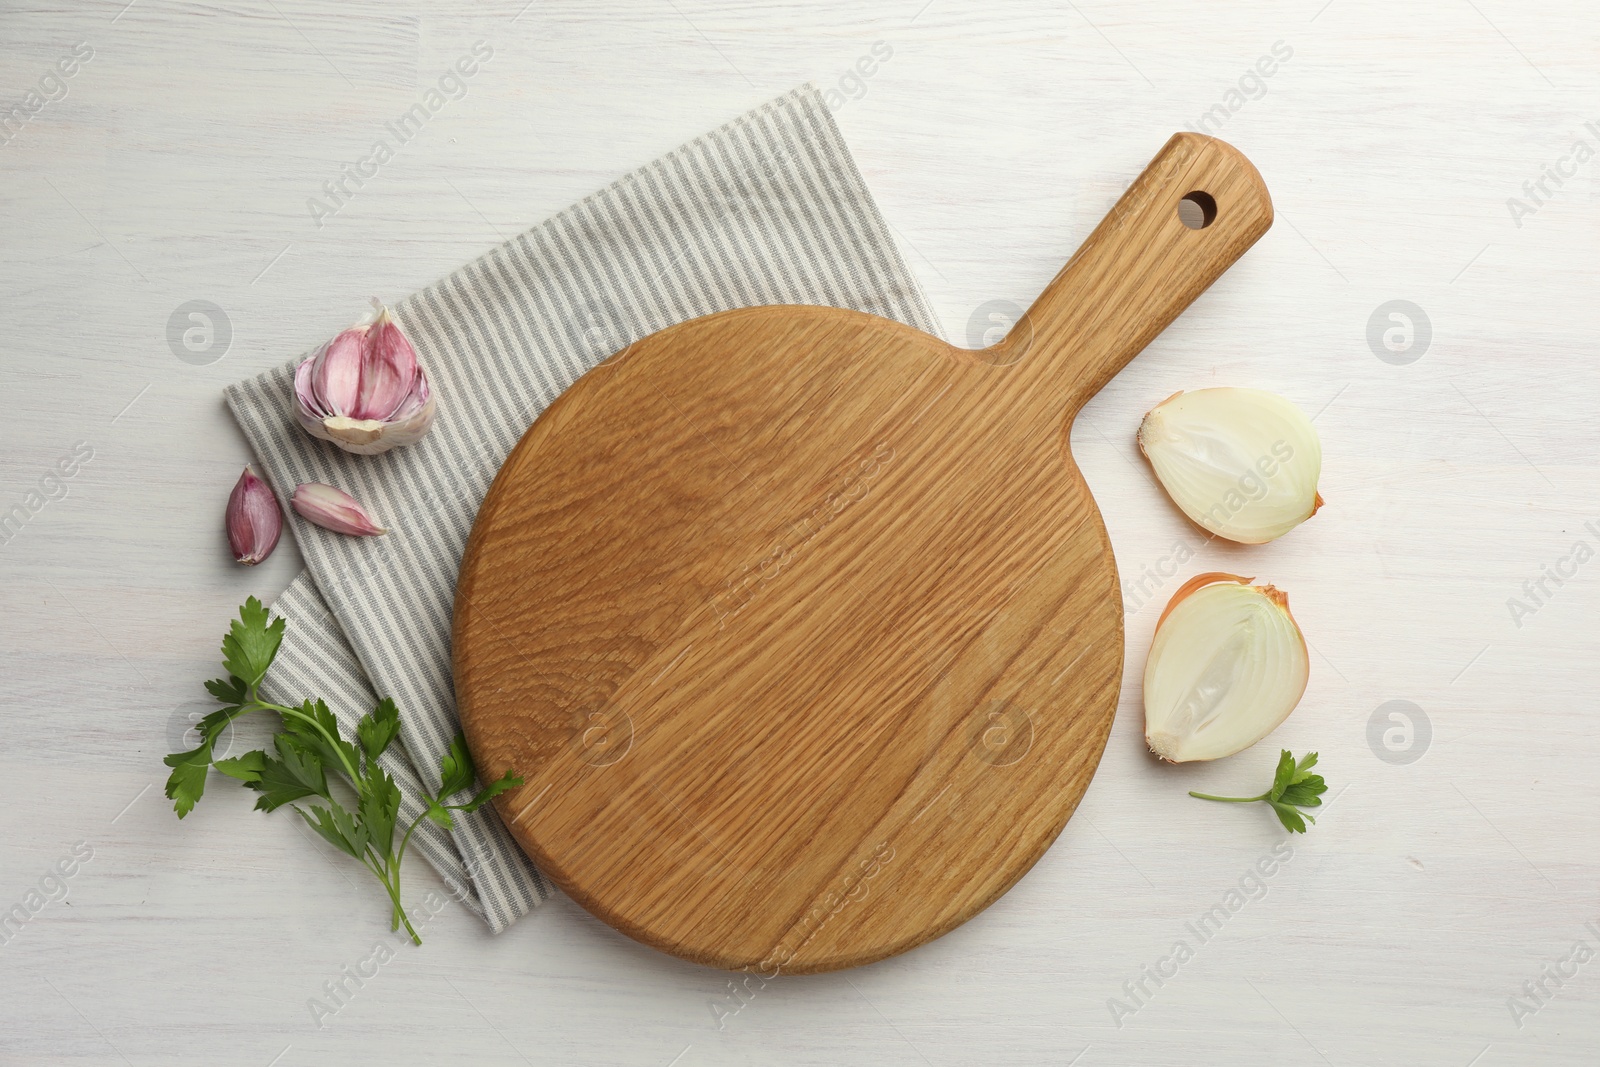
[(1227, 666), (1240, 463)]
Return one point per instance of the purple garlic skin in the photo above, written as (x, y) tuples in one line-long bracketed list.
[(333, 509), (253, 520), (364, 390)]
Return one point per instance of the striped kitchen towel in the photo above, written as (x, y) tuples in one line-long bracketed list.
[(768, 209)]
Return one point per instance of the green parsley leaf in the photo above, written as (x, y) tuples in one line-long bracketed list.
[(187, 782), (378, 728), (380, 806), (1304, 789), (211, 726), (251, 644), (455, 767), (317, 731), (246, 768), (492, 790), (1293, 787), (440, 814), (338, 827), (228, 690), (296, 773), (1283, 774), (1290, 817)]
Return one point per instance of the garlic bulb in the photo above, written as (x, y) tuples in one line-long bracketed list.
[(1240, 463), (364, 390), (1227, 665)]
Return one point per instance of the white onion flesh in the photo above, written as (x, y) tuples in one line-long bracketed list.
[(1240, 463), (1227, 666)]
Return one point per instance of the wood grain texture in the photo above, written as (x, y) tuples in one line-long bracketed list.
[(802, 624)]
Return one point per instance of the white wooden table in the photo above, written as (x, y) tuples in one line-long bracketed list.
[(1458, 859)]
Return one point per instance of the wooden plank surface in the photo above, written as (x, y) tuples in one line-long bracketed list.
[(1394, 138)]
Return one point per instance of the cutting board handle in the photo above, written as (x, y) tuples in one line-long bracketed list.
[(1139, 268)]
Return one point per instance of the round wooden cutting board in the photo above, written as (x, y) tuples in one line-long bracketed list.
[(801, 624)]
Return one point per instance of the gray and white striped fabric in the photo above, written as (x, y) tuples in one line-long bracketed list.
[(768, 209)]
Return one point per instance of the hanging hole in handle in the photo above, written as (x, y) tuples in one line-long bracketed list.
[(1197, 210)]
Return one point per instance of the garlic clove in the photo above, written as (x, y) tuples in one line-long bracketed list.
[(333, 509), (365, 390), (408, 425), (1240, 463), (1227, 666), (252, 519), (337, 372), (389, 370)]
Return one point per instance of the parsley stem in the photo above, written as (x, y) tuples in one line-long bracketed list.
[(333, 742), (1230, 800), (400, 916), (386, 872), (406, 840)]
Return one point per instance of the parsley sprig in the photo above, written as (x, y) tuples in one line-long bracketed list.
[(309, 758), (1293, 787)]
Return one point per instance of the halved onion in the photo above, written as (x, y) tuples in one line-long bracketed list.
[(1227, 665), (1240, 463)]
